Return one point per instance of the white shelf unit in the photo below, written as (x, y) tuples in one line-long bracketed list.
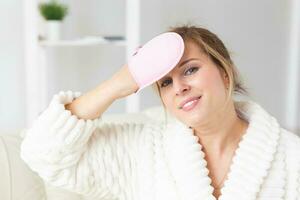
[(292, 117), (87, 41), (36, 59)]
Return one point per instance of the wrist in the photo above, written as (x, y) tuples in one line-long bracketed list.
[(123, 83)]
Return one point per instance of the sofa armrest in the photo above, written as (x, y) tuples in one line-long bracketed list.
[(17, 180)]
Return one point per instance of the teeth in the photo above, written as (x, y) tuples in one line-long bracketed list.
[(189, 103)]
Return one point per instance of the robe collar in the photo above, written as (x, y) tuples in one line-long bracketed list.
[(250, 164)]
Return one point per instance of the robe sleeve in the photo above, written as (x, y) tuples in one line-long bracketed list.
[(84, 156)]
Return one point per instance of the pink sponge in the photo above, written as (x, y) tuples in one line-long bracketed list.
[(156, 58)]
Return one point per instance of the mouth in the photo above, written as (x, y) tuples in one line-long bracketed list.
[(190, 103)]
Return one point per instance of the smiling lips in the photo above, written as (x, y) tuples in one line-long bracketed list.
[(190, 103)]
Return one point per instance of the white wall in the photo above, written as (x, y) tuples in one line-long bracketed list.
[(255, 31), (12, 105)]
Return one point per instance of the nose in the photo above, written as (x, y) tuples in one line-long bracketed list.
[(180, 87)]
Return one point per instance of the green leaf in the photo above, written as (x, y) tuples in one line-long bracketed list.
[(53, 10)]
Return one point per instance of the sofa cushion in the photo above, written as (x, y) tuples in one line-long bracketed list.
[(55, 193), (17, 180)]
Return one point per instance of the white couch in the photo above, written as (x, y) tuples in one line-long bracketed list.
[(18, 182)]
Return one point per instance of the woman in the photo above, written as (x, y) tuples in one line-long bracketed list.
[(215, 148)]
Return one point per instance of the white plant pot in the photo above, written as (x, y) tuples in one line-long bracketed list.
[(53, 30)]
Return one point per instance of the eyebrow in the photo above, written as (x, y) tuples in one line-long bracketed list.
[(186, 61)]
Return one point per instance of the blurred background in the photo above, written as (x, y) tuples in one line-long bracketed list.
[(95, 38)]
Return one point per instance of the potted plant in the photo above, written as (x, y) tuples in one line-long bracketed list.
[(54, 13)]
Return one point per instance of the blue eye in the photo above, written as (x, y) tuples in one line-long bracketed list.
[(192, 70), (165, 83)]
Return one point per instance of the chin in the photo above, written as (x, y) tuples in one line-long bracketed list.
[(193, 119)]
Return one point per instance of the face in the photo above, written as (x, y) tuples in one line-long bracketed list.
[(195, 90)]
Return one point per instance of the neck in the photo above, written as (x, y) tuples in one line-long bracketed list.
[(222, 133)]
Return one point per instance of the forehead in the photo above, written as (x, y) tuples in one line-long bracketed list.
[(191, 48)]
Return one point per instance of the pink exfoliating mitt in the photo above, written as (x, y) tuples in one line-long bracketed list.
[(156, 58)]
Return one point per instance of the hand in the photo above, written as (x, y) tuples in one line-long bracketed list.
[(156, 58)]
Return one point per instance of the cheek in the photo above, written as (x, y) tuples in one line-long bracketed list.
[(169, 103), (212, 81)]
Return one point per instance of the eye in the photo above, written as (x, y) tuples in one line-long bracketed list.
[(166, 82), (191, 70)]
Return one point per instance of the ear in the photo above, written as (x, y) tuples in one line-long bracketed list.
[(225, 78)]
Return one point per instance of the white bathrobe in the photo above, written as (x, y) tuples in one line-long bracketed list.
[(151, 161)]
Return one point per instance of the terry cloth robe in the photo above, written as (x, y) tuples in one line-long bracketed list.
[(152, 161)]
